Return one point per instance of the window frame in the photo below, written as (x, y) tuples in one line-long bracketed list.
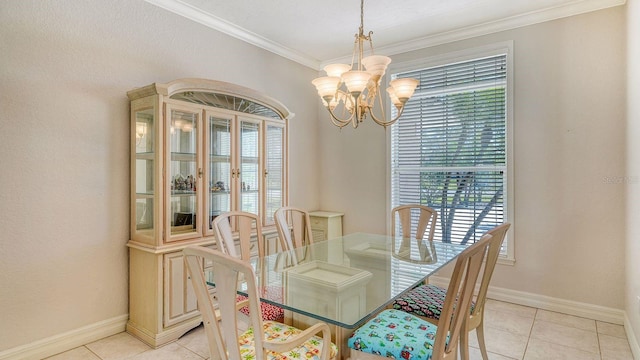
[(505, 47)]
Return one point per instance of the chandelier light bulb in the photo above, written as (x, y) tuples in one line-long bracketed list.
[(326, 86), (404, 88), (356, 81), (376, 65), (392, 95), (336, 69)]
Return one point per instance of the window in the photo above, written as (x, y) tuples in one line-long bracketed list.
[(450, 149)]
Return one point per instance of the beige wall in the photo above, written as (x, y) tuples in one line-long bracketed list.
[(632, 304), (569, 149), (65, 68)]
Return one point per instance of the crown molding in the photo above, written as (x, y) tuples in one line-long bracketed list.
[(207, 19), (531, 18), (565, 10)]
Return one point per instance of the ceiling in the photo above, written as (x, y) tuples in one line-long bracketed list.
[(314, 33)]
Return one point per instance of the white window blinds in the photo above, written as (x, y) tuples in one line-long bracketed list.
[(448, 150)]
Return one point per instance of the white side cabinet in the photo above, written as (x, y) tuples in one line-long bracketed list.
[(325, 224)]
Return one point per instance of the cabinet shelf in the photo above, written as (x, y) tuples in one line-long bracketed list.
[(250, 160), (183, 193), (180, 156), (145, 155), (220, 158)]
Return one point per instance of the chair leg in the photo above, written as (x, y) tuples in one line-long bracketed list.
[(464, 344), (288, 318), (481, 343)]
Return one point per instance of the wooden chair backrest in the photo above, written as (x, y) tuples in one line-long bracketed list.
[(455, 309), (294, 227), (226, 271), (498, 234), (427, 218), (222, 331), (247, 225)]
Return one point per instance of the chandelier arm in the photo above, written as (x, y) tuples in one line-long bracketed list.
[(338, 124), (370, 38), (387, 123), (335, 120)]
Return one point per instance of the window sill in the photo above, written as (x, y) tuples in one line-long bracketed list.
[(506, 261)]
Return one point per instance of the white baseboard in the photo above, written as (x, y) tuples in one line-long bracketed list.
[(631, 336), (589, 311), (67, 341), (72, 339)]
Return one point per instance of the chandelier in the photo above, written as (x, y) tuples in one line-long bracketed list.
[(350, 92)]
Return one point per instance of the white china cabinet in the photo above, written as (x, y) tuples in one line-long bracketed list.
[(198, 148)]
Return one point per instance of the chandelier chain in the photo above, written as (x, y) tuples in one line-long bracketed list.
[(361, 16)]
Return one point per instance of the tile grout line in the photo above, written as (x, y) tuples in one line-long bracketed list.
[(91, 351), (599, 346), (526, 346), (598, 338), (195, 353)]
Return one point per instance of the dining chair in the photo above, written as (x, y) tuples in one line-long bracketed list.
[(408, 214), (263, 339), (426, 300), (400, 335), (294, 227), (247, 226)]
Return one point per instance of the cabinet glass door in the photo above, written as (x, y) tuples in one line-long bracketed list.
[(274, 170), (144, 172), (219, 167), (183, 172), (249, 169)]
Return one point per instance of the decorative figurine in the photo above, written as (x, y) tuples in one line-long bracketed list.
[(218, 186), (179, 182)]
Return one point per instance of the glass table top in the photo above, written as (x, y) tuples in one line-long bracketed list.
[(344, 280)]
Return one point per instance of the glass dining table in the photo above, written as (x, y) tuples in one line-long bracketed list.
[(346, 280)]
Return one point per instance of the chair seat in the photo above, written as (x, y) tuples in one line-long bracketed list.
[(424, 300), (269, 312), (277, 331), (397, 335)]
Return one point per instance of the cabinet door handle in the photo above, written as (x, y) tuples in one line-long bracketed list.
[(233, 173), (200, 173)]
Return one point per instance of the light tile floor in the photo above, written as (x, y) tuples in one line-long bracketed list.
[(511, 331)]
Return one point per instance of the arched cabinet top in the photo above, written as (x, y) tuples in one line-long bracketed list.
[(217, 94)]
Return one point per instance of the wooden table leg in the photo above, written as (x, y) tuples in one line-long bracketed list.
[(341, 338)]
